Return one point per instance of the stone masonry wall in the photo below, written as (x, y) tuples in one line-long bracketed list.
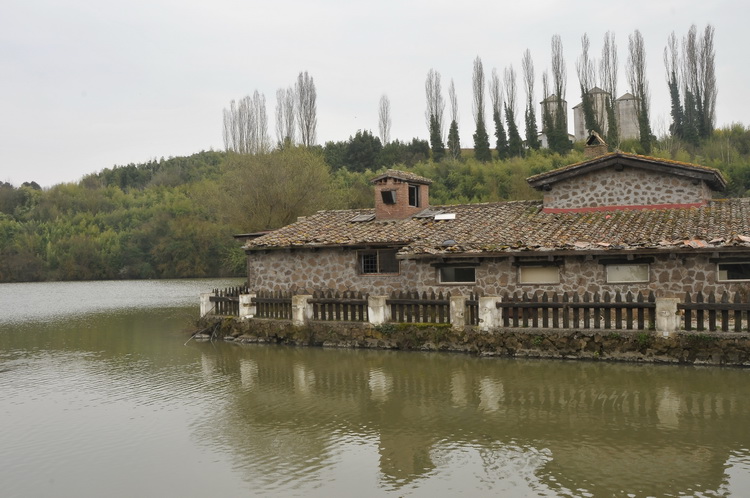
[(305, 271), (629, 187)]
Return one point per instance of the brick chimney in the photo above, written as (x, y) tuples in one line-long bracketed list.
[(399, 194), (595, 146)]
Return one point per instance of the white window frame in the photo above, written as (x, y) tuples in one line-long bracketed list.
[(612, 280), (522, 268), (416, 191), (726, 278), (456, 282)]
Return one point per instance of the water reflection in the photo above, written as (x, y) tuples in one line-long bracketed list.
[(115, 404), (563, 428)]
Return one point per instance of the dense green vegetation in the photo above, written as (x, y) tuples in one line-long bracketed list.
[(176, 217)]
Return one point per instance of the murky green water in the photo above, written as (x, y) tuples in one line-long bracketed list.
[(108, 400)]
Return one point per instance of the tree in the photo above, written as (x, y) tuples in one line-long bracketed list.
[(246, 126), (306, 108), (532, 133), (496, 101), (515, 144), (384, 119), (267, 191), (434, 113), (454, 141), (362, 151), (285, 116), (481, 140), (608, 77), (555, 114), (636, 73), (700, 79), (587, 81), (672, 66)]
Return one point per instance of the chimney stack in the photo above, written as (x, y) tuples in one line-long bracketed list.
[(399, 195), (595, 146)]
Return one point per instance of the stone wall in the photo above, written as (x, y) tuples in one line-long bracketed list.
[(305, 271), (629, 187)]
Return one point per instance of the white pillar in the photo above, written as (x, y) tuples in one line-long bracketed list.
[(248, 309), (458, 312), (377, 311), (302, 312), (490, 316), (206, 306), (667, 319)]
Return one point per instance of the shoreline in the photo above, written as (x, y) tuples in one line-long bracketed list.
[(635, 346)]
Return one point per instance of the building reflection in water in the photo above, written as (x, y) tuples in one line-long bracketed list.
[(591, 427)]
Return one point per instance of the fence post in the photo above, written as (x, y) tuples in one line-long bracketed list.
[(667, 319), (206, 303), (302, 311), (490, 316), (458, 312), (248, 309), (377, 311)]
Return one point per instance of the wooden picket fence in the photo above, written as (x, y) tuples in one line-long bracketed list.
[(607, 311), (411, 307), (273, 304), (227, 301), (587, 311), (723, 314), (347, 306), (472, 309)]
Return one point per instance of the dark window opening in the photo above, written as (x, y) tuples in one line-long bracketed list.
[(453, 274), (378, 261), (414, 195), (389, 196), (734, 271)]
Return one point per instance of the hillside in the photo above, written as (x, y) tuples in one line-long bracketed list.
[(175, 218)]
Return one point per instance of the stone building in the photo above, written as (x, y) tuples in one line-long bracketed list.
[(616, 222), (626, 108)]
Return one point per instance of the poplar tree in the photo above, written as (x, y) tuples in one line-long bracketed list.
[(481, 139), (434, 114), (454, 141), (515, 144), (636, 67), (608, 78), (587, 81), (532, 133), (496, 101)]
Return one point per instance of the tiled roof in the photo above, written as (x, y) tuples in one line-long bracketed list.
[(522, 226), (403, 175), (711, 175)]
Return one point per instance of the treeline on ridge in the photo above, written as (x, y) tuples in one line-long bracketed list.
[(175, 218)]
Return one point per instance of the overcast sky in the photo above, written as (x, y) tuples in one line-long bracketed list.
[(87, 85)]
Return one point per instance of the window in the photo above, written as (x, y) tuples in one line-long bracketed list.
[(388, 196), (627, 273), (378, 261), (539, 274), (457, 275), (414, 195), (734, 271)]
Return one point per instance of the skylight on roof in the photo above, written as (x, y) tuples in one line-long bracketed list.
[(445, 216), (428, 213), (362, 218)]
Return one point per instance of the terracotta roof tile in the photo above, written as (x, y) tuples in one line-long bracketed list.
[(713, 175), (522, 226)]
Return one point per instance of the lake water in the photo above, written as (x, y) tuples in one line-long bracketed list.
[(100, 395)]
